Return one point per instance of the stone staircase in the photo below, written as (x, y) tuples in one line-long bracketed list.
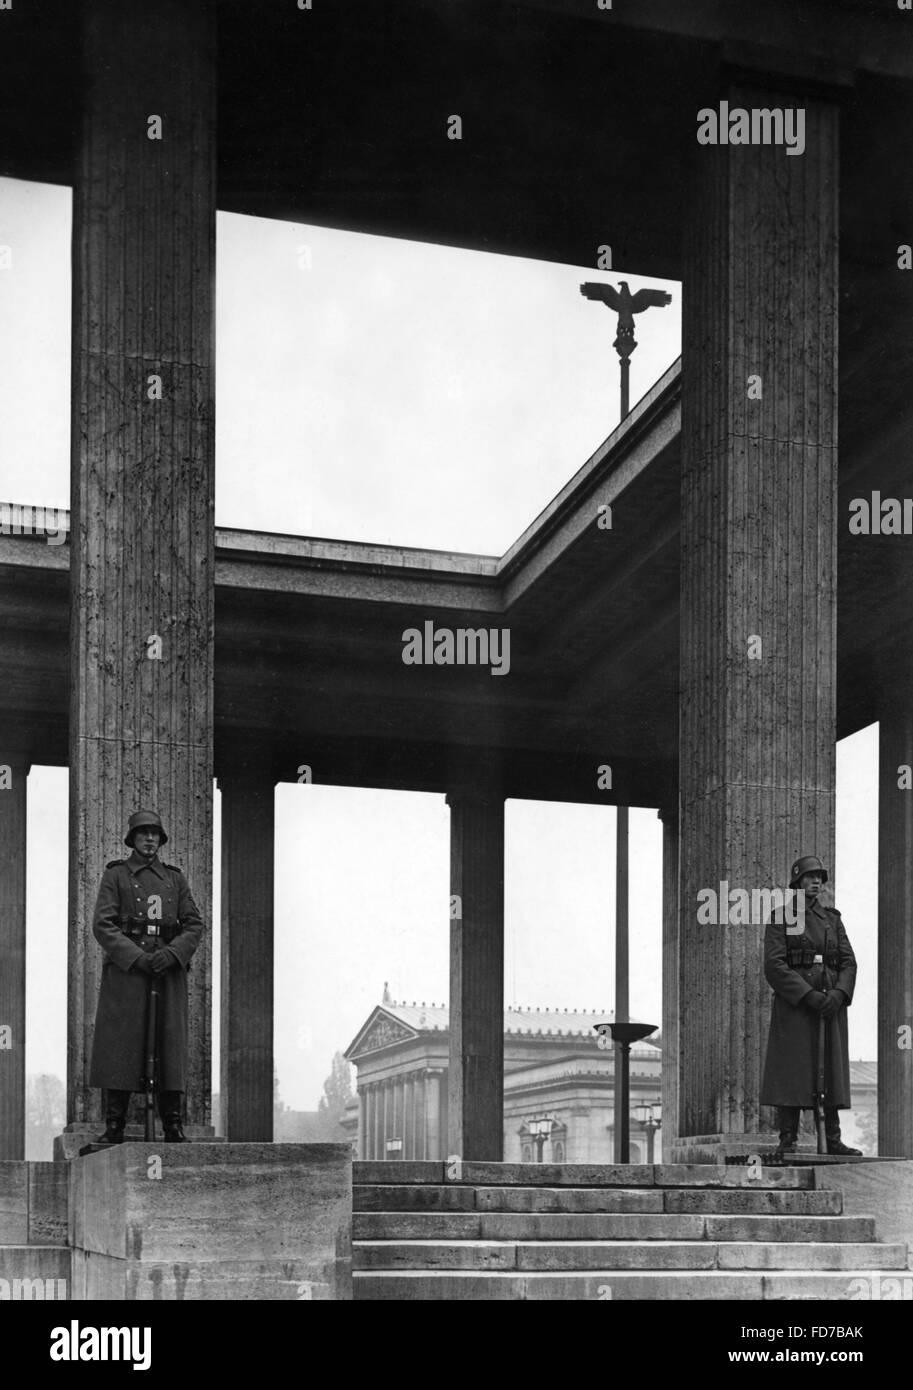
[(527, 1231)]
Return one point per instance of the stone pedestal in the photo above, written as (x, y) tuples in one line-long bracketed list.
[(268, 1222)]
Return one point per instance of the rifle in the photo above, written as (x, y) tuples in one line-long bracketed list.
[(150, 1079), (821, 1086)]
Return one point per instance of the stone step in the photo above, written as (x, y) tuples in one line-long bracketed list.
[(555, 1256), (731, 1201), (37, 1272), (374, 1172), (529, 1226), (687, 1286)]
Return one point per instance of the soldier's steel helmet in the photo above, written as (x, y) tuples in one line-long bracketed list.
[(806, 865), (144, 818)]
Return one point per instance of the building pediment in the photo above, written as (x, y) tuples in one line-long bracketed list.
[(381, 1030)]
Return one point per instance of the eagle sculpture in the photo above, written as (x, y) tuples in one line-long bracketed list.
[(624, 302)]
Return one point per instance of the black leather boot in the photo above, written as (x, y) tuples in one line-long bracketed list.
[(832, 1134), (116, 1103), (788, 1122), (170, 1111)]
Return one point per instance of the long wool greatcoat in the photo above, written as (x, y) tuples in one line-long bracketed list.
[(133, 888), (791, 1065)]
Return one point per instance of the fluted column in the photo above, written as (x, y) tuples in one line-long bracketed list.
[(670, 1027), (13, 804), (362, 1123), (476, 1081), (248, 848), (142, 479), (895, 929), (758, 554)]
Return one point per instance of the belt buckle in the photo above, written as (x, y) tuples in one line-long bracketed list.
[(152, 929), (819, 960)]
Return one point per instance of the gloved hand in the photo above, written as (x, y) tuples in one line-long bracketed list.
[(143, 964), (816, 1000), (162, 960), (833, 1003)]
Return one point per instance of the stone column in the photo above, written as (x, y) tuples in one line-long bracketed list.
[(14, 772), (421, 1086), (141, 561), (248, 845), (435, 1108), (895, 929), (476, 1081), (758, 553), (362, 1122), (670, 1025)]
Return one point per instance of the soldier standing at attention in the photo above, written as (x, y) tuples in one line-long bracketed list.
[(812, 974), (147, 923)]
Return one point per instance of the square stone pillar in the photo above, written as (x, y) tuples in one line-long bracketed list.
[(670, 1024), (895, 929), (142, 480), (14, 772), (248, 853), (476, 1079), (758, 582)]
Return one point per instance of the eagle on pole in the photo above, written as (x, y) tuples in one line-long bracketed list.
[(626, 305)]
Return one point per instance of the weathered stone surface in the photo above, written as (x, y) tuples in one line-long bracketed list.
[(777, 1228), (736, 1175), (591, 1287), (568, 1199), (836, 1287), (407, 1225), (37, 1262), (445, 1254), (691, 1286), (882, 1190), (792, 1255), (216, 1221), (422, 1197), (589, 1226), (616, 1254), (14, 1202), (758, 560), (408, 1171), (48, 1192), (557, 1174), (142, 541), (742, 1201)]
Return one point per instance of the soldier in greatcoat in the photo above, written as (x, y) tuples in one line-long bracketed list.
[(148, 924), (812, 970)]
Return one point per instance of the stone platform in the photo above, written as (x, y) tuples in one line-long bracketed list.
[(212, 1221)]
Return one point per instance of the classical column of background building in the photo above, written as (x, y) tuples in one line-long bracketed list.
[(759, 487), (895, 926), (476, 1081), (142, 479), (13, 805), (248, 847)]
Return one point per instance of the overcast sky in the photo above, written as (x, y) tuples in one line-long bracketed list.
[(382, 390)]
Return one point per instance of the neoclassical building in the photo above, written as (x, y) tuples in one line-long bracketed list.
[(556, 1081)]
